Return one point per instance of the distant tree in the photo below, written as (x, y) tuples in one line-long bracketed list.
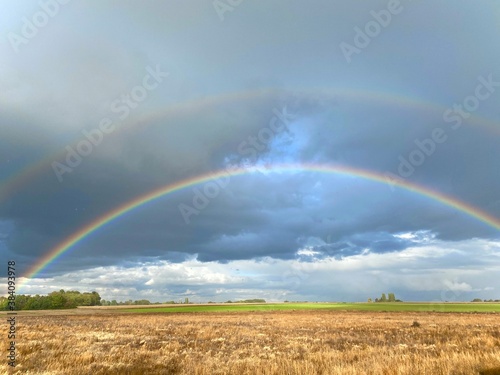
[(33, 303), (370, 300), (21, 301), (186, 300), (391, 297), (95, 299), (477, 300), (142, 302), (383, 298), (57, 300), (377, 300)]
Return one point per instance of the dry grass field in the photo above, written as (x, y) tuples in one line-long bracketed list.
[(279, 342)]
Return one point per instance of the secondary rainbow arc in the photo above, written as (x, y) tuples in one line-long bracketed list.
[(23, 176)]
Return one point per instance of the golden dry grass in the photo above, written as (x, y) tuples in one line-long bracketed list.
[(284, 342)]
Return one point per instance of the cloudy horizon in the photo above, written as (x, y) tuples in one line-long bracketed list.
[(102, 105)]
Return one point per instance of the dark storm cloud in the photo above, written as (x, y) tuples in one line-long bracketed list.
[(190, 126)]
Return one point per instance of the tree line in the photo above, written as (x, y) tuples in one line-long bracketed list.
[(56, 300), (114, 302)]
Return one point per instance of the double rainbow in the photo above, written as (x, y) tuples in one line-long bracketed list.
[(22, 178)]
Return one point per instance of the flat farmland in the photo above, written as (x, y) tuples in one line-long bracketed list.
[(381, 307), (319, 341)]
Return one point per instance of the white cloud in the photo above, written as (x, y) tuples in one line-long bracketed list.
[(307, 252), (418, 269), (457, 286), (421, 236)]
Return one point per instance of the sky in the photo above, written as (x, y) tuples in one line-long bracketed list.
[(104, 103)]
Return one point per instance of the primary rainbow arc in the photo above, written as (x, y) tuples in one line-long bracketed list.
[(133, 204)]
